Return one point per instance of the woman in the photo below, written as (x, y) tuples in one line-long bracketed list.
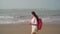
[(34, 22)]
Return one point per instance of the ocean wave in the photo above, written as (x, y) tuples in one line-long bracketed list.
[(14, 20), (6, 17), (48, 19)]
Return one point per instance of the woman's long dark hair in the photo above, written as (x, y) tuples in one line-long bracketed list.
[(33, 13)]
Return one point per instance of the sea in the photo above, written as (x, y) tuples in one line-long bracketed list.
[(21, 16)]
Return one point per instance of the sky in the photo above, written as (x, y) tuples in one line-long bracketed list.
[(30, 4)]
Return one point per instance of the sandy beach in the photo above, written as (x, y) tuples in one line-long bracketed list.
[(26, 29)]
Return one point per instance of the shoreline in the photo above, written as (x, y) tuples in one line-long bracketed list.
[(26, 29)]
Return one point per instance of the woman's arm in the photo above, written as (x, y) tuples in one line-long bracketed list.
[(33, 24), (29, 22)]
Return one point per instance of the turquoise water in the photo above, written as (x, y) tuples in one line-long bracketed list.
[(8, 16)]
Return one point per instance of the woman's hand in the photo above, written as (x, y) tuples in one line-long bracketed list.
[(33, 24), (28, 22)]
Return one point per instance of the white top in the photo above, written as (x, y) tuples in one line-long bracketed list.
[(34, 21)]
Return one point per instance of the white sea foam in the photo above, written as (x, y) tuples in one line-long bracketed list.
[(14, 20), (6, 17)]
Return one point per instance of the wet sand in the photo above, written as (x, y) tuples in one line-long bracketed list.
[(26, 29)]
